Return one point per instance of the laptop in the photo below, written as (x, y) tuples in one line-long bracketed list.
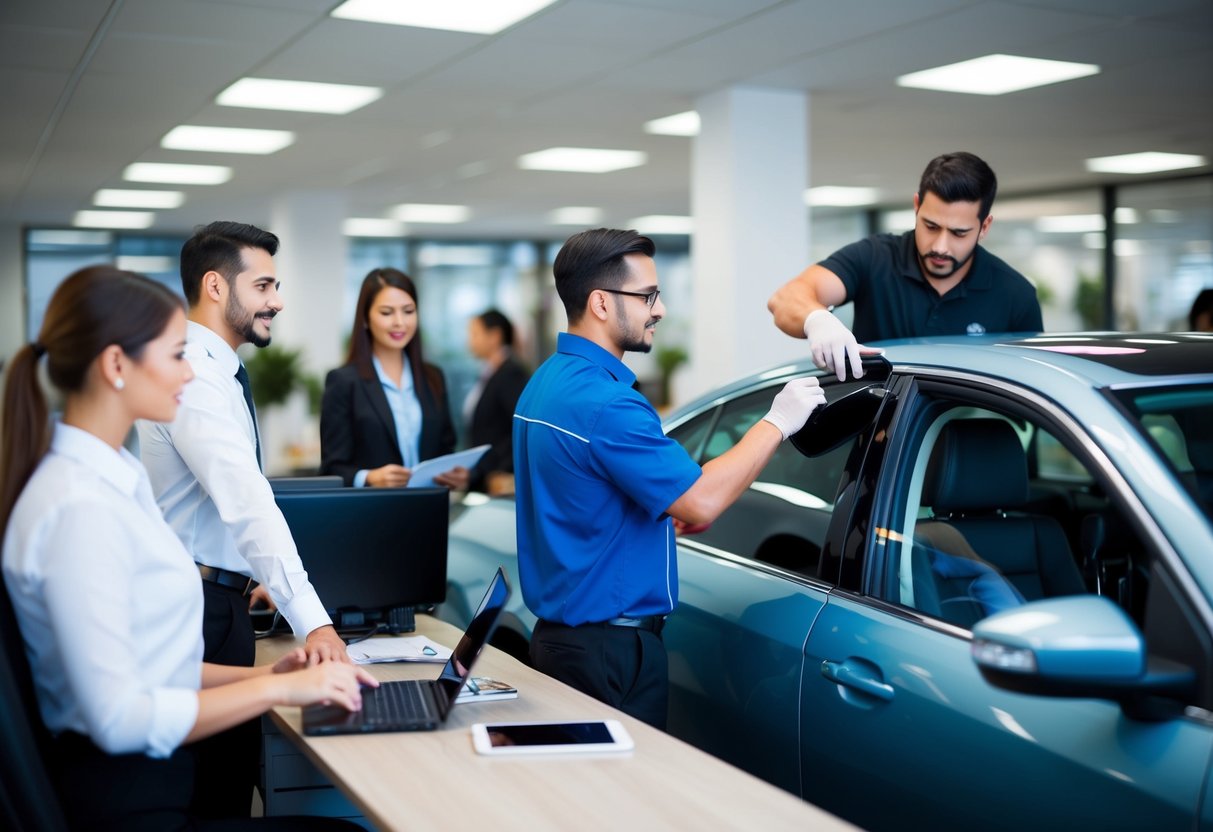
[(416, 704)]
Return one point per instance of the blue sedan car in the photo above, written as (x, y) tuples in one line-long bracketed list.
[(976, 591)]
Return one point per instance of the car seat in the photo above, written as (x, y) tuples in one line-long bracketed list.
[(975, 482)]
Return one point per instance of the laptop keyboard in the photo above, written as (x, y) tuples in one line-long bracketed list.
[(396, 703)]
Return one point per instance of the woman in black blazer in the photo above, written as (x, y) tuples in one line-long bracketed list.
[(489, 410), (386, 409)]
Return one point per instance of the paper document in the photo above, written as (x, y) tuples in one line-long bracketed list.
[(424, 472), (398, 649)]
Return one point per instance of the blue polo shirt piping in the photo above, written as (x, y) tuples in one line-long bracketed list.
[(594, 475)]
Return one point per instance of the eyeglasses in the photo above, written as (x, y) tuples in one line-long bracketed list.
[(650, 298)]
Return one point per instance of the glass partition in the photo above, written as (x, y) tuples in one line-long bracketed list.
[(1164, 252)]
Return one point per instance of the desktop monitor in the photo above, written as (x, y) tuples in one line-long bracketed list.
[(373, 554), (300, 483)]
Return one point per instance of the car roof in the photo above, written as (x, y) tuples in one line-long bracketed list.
[(1101, 358), (1044, 361)]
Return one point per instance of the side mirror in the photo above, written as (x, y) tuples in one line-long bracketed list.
[(1078, 646), (837, 422)]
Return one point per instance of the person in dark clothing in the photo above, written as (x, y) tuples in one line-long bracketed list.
[(933, 280), (489, 409), (386, 409)]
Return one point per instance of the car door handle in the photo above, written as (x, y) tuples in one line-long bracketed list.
[(859, 678)]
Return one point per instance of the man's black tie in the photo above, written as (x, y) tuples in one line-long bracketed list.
[(242, 377)]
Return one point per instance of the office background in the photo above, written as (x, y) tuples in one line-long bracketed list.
[(790, 94)]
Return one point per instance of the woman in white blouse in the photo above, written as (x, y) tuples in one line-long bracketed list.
[(108, 601)]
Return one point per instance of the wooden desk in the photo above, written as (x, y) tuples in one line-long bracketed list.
[(435, 780)]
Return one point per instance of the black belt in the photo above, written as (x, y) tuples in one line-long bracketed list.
[(231, 580), (652, 623)]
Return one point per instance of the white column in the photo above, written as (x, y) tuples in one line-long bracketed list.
[(311, 263), (751, 231)]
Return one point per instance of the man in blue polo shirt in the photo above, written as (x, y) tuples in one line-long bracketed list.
[(598, 482), (934, 280)]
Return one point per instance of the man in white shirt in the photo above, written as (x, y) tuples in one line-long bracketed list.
[(205, 470)]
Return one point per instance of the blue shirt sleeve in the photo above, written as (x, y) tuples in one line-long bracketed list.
[(632, 451)]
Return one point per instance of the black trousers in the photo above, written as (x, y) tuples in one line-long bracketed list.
[(624, 667), (103, 792), (229, 763)]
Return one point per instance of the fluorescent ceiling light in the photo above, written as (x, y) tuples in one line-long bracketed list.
[(575, 215), (1124, 215), (1164, 215), (1128, 248), (418, 212), (113, 219), (1144, 162), (177, 174), (662, 224), (679, 124), (123, 198), (482, 17), (900, 220), (73, 239), (227, 139), (300, 96), (582, 159), (147, 264), (996, 75), (839, 196), (372, 227), (430, 256), (472, 169), (1071, 224)]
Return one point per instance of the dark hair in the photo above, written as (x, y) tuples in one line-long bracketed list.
[(593, 260), (1203, 305), (217, 248), (492, 319), (960, 177), (92, 309), (360, 337)]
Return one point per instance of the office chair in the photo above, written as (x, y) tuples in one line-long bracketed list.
[(27, 796)]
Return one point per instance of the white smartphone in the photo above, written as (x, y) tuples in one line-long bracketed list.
[(591, 736)]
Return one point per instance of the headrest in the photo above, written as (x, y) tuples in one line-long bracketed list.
[(977, 464)]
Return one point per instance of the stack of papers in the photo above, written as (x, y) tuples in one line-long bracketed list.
[(398, 649), (423, 473)]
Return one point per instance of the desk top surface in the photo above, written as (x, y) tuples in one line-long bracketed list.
[(436, 780)]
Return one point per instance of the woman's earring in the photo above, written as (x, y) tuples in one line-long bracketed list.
[(119, 384)]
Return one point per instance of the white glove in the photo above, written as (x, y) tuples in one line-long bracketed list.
[(832, 343), (794, 403)]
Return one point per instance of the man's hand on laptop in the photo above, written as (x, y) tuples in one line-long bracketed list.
[(324, 645)]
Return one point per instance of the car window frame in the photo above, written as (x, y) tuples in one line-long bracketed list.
[(1006, 396)]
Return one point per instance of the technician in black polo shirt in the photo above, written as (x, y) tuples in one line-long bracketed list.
[(934, 280)]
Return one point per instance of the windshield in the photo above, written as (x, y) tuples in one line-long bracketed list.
[(1179, 423)]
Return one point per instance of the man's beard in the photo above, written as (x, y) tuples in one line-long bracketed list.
[(957, 265), (243, 321), (634, 343)]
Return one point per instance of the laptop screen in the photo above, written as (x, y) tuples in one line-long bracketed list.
[(459, 666)]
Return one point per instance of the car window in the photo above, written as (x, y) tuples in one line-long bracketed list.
[(782, 518), (1054, 462), (978, 530), (1178, 422), (691, 433)]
